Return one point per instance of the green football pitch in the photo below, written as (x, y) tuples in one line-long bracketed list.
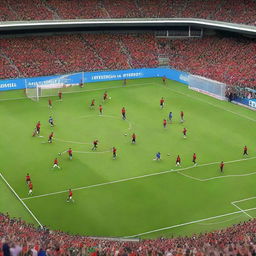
[(132, 195)]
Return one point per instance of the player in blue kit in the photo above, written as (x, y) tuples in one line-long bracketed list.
[(158, 156), (170, 117), (51, 121)]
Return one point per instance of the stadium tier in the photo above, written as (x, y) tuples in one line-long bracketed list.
[(214, 57), (233, 241), (221, 10)]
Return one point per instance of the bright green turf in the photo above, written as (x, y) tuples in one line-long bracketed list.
[(216, 131)]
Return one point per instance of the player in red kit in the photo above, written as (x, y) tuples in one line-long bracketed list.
[(70, 195), (70, 153), (114, 152), (105, 96), (164, 80), (30, 188), (95, 144), (56, 163), (164, 123), (245, 151), (100, 109), (194, 159), (133, 138), (178, 161), (28, 179), (50, 103), (221, 166), (181, 116), (38, 127), (161, 102), (50, 137), (60, 95), (184, 133), (123, 113), (92, 103)]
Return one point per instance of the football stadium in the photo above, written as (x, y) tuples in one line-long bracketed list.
[(128, 127)]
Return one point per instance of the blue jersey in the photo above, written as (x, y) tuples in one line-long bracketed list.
[(158, 155), (51, 120), (170, 116)]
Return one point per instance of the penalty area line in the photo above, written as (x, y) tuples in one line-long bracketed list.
[(189, 223), (30, 212), (131, 178)]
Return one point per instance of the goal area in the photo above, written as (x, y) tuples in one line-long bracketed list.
[(45, 88), (207, 86)]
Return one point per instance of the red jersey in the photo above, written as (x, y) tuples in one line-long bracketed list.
[(100, 108), (134, 136), (164, 122), (105, 95), (30, 185), (245, 148), (178, 159), (93, 102), (50, 136), (70, 193), (60, 95), (114, 150), (181, 114), (56, 161), (194, 157), (70, 152), (184, 131), (221, 165), (27, 178), (38, 125), (161, 101), (123, 110), (95, 142), (50, 102)]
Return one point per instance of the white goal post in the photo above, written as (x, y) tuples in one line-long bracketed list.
[(207, 86), (46, 88)]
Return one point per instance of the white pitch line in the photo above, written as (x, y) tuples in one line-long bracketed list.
[(246, 199), (30, 212), (217, 106), (72, 142), (220, 222), (92, 152), (188, 223), (231, 175), (132, 178), (242, 210), (99, 184), (188, 176)]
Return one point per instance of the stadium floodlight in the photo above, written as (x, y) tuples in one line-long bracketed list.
[(66, 83), (207, 86)]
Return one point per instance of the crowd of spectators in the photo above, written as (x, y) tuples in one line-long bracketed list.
[(230, 60), (224, 59), (18, 238), (243, 11)]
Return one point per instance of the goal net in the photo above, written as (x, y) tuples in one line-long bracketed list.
[(50, 87), (207, 86)]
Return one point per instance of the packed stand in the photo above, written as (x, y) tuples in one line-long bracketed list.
[(233, 11), (228, 60), (19, 238), (50, 55)]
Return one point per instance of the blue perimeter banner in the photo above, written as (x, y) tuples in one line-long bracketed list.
[(90, 77), (248, 102)]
